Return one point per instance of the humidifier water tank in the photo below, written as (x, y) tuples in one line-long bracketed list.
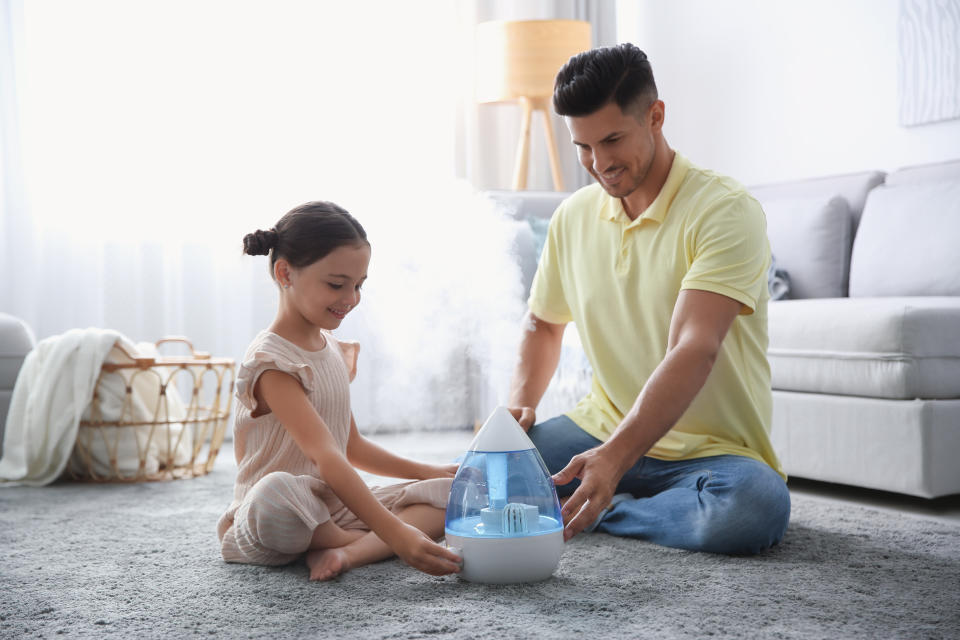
[(503, 515)]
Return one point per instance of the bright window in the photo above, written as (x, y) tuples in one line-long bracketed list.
[(188, 119)]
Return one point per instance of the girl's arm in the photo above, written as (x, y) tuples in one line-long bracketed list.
[(285, 397), (372, 458)]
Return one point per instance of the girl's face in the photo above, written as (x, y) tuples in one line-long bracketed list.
[(324, 292)]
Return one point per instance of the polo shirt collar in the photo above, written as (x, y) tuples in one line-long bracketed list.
[(661, 204)]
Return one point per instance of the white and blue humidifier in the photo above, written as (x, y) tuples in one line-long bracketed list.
[(503, 516)]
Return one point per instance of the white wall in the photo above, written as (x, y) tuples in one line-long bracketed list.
[(771, 90)]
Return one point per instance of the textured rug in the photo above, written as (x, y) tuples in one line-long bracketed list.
[(142, 561)]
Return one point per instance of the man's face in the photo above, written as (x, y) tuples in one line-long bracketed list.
[(617, 148)]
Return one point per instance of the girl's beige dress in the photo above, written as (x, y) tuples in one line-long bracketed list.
[(279, 498)]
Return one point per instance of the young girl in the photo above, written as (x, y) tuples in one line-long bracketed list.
[(295, 438)]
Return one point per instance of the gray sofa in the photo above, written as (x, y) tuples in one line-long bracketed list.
[(16, 341), (865, 355)]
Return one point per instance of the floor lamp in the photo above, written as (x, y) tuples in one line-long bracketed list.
[(518, 61)]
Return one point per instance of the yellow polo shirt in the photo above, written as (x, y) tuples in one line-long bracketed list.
[(619, 279)]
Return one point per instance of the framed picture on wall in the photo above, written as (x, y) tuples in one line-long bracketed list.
[(929, 61)]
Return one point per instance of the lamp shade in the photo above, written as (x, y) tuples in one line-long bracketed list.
[(521, 58)]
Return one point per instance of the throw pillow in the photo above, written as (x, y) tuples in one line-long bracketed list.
[(811, 238), (907, 241)]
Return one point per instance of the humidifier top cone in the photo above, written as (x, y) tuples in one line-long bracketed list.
[(501, 432)]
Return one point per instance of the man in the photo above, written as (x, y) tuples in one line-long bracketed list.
[(662, 266)]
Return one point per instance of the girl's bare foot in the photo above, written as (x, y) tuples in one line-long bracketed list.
[(326, 564), (328, 535)]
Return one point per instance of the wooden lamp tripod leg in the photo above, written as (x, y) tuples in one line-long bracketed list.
[(522, 164), (523, 148), (552, 148)]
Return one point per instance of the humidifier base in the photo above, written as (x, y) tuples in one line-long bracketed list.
[(509, 560)]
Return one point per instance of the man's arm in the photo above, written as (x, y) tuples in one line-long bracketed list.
[(699, 324), (539, 355)]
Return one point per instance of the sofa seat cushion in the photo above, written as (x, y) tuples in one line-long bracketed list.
[(898, 348)]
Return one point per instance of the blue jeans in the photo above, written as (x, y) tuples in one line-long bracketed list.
[(721, 504)]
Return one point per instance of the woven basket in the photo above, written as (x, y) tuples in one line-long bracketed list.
[(154, 418)]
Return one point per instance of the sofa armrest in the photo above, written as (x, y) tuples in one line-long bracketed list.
[(16, 341)]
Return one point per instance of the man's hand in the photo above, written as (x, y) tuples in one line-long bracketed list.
[(526, 416), (599, 475)]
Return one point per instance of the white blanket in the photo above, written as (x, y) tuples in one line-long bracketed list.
[(52, 390), (53, 393)]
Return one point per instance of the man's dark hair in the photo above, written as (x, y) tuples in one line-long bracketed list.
[(589, 80)]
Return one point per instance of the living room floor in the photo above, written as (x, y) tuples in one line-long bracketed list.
[(441, 446)]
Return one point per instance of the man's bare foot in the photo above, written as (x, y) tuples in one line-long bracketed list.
[(326, 564)]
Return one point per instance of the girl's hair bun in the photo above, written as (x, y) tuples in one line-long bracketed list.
[(259, 242)]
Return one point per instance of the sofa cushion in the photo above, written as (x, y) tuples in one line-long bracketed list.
[(852, 187), (907, 244), (925, 173), (898, 348), (811, 238)]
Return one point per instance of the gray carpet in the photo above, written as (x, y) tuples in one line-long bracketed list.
[(141, 561)]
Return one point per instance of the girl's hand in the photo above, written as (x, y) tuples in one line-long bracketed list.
[(420, 552), (438, 470)]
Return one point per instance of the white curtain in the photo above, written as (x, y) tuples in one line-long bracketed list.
[(140, 140), (17, 243)]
